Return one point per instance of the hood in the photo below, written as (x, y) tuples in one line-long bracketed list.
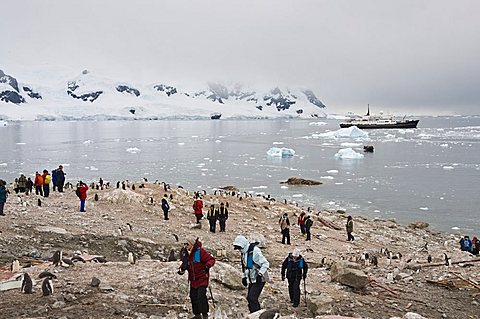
[(242, 242)]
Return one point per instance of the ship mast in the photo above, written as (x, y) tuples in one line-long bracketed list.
[(368, 109)]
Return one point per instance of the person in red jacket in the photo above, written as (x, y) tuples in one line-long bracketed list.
[(197, 261), (38, 184), (82, 194), (197, 208)]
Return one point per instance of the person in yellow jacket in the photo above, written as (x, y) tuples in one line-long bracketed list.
[(47, 178)]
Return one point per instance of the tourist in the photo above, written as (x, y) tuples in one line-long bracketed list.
[(284, 223), (466, 244), (296, 269), (165, 206), (197, 208), (197, 261), (82, 194), (475, 246), (254, 268), (301, 223), (3, 196), (212, 216), (22, 182), (54, 179), (46, 183), (222, 217), (29, 186), (349, 227), (308, 226), (60, 178), (15, 185), (38, 184)]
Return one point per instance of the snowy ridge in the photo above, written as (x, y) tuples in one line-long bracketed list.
[(57, 95)]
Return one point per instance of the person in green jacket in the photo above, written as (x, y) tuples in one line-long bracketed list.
[(349, 227)]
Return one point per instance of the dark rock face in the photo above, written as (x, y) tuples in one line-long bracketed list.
[(279, 100), (91, 96), (11, 96), (31, 93), (124, 88), (10, 80), (169, 90), (218, 92), (312, 98)]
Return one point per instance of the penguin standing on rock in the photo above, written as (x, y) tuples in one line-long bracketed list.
[(129, 226), (57, 258), (27, 284), (15, 266), (131, 258), (96, 197), (39, 202), (47, 286)]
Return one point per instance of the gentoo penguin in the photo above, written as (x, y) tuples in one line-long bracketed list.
[(100, 260), (176, 237), (448, 260), (15, 266), (429, 258), (123, 186), (171, 196), (171, 255), (57, 258), (46, 274), (133, 187), (96, 197), (374, 261), (120, 231), (131, 258), (129, 226), (67, 261), (77, 258), (27, 284), (118, 184), (39, 202), (151, 200), (47, 286), (145, 179)]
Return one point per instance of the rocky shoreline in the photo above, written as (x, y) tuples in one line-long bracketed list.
[(403, 284)]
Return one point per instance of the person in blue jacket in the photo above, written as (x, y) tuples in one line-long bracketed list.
[(255, 270), (294, 268), (466, 244)]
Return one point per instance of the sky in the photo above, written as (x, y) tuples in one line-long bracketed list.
[(408, 56)]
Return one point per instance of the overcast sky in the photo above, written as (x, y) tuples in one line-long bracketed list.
[(400, 56)]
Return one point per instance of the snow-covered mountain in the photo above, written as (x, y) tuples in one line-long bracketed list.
[(90, 96)]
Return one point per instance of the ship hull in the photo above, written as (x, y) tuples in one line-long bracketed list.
[(403, 124)]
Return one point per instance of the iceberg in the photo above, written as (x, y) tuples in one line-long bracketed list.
[(280, 152), (3, 123), (348, 153), (349, 132), (133, 150)]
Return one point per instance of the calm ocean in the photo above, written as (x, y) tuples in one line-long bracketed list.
[(430, 173)]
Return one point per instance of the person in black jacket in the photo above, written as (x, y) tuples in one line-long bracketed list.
[(60, 178), (165, 206), (296, 269), (212, 216), (222, 216)]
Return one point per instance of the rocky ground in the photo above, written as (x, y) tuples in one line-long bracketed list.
[(401, 287)]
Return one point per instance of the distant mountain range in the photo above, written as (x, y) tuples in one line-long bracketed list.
[(89, 96)]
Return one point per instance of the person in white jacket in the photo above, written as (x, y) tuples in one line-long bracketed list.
[(254, 268)]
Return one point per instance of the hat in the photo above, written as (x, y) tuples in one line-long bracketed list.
[(296, 252), (190, 241)]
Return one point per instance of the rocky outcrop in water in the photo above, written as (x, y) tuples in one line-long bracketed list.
[(300, 181)]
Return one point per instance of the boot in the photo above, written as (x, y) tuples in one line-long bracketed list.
[(205, 316), (197, 316)]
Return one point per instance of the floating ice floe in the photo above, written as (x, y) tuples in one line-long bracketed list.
[(448, 168), (3, 164), (326, 177), (351, 132), (423, 208), (444, 145), (348, 153), (352, 145), (317, 123), (297, 195), (455, 228), (332, 171), (280, 152), (284, 187), (277, 143), (133, 150), (3, 123)]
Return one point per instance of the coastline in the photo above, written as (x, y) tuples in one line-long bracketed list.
[(38, 231)]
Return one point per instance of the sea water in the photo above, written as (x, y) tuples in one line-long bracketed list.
[(430, 173)]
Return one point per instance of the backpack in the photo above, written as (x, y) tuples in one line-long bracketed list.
[(78, 193), (309, 222), (250, 255)]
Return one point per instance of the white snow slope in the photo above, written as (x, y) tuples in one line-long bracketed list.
[(87, 96)]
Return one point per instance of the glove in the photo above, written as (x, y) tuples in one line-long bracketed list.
[(180, 272), (244, 281), (283, 278), (304, 277), (206, 269)]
